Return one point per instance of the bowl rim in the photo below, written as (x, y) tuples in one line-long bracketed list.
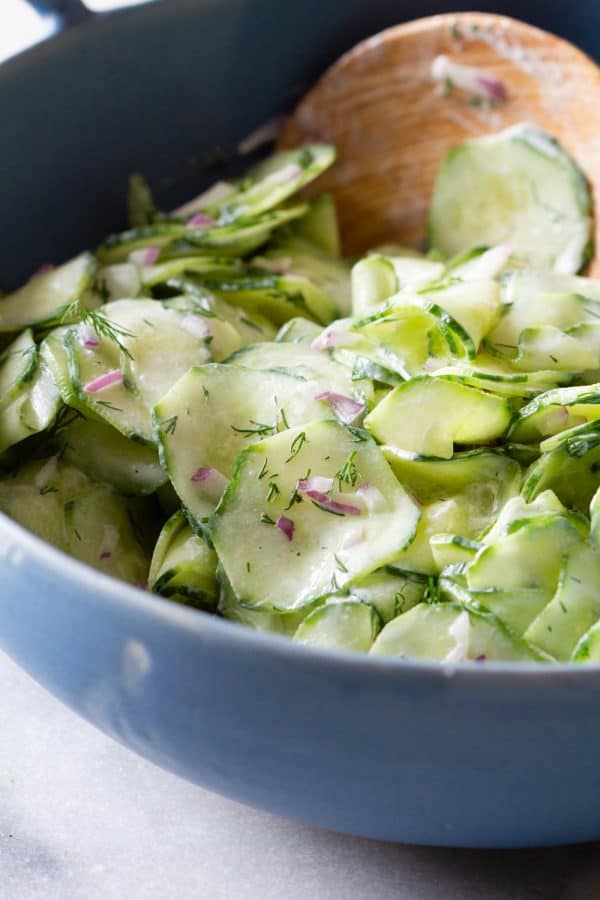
[(208, 626), (204, 624)]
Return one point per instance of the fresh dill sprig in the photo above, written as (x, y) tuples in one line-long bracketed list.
[(347, 473)]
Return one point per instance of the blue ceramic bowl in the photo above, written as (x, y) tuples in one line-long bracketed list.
[(485, 756)]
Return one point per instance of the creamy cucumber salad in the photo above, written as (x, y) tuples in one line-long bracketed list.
[(397, 455)]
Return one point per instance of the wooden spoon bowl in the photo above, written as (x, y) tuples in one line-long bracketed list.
[(392, 123)]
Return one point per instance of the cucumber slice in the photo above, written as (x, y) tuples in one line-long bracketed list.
[(140, 205), (294, 256), (250, 326), (450, 633), (18, 364), (474, 305), (518, 185), (155, 346), (516, 609), (574, 608), (259, 619), (185, 266), (525, 311), (278, 297), (320, 225), (340, 625), (216, 411), (374, 282), (320, 545), (523, 285), (545, 347), (46, 297), (176, 239), (529, 556), (116, 282), (489, 373), (183, 566), (273, 181), (556, 411), (451, 550), (403, 339), (106, 455), (390, 591), (298, 330), (568, 466), (303, 362), (88, 521), (429, 416)]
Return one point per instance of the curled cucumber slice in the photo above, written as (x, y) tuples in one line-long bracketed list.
[(520, 186)]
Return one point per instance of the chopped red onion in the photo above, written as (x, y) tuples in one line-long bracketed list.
[(143, 585), (347, 409), (334, 506), (481, 658), (103, 382), (286, 525), (212, 482), (468, 79), (200, 220), (196, 325), (315, 483)]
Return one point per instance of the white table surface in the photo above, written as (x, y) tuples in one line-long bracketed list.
[(82, 818)]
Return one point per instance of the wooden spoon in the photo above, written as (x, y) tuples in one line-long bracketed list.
[(392, 123)]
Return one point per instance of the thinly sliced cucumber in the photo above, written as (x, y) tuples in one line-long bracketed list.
[(185, 266), (331, 275), (216, 193), (555, 411), (520, 186), (250, 326), (574, 608), (320, 225), (175, 239), (545, 347), (525, 312), (451, 550), (430, 415), (140, 205), (298, 330), (450, 633), (273, 181), (374, 282), (46, 297), (517, 608), (529, 556), (523, 285), (402, 339), (390, 590), (342, 625), (474, 305), (278, 297), (18, 364), (262, 620), (489, 373), (568, 466), (321, 543), (89, 521), (216, 411), (183, 566), (117, 282), (155, 346), (106, 455), (301, 361)]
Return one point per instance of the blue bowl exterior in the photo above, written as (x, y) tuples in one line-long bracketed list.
[(480, 756)]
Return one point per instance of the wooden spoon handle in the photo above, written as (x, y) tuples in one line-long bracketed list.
[(392, 124)]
